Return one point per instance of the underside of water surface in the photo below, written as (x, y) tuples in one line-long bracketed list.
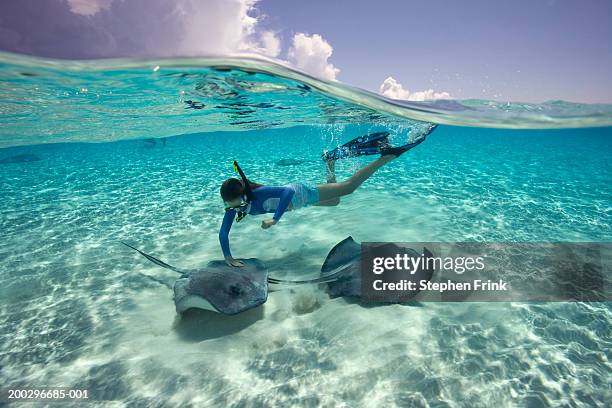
[(49, 101), (94, 153)]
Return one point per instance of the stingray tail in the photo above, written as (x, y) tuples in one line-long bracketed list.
[(161, 282), (323, 279), (154, 260), (334, 266)]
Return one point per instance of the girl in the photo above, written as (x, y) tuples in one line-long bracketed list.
[(244, 197)]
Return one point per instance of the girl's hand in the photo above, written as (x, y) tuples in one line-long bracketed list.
[(234, 262), (265, 224)]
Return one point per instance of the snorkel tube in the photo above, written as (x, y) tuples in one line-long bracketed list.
[(242, 210), (247, 187)]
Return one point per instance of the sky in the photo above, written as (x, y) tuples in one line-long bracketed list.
[(519, 50)]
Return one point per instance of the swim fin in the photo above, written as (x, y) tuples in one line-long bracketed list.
[(359, 146), (397, 151)]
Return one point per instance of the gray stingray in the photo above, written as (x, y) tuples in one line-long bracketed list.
[(229, 290), (218, 287), (20, 158), (341, 271)]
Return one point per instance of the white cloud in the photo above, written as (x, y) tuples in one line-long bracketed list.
[(395, 90), (311, 54), (88, 7), (270, 43), (179, 27), (216, 26), (221, 27), (82, 29), (428, 95)]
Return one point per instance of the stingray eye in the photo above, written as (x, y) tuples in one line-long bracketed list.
[(235, 290)]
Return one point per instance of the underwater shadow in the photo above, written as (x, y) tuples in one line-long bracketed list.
[(371, 305), (196, 325), (579, 272), (20, 158)]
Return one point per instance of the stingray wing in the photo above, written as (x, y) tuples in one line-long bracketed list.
[(345, 252)]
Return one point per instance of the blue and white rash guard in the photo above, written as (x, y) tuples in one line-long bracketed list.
[(265, 200)]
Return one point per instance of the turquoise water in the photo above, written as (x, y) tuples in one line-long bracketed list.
[(79, 310)]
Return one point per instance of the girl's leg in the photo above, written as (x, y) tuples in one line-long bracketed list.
[(330, 167), (331, 179), (332, 192)]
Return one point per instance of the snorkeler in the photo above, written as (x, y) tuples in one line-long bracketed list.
[(242, 197)]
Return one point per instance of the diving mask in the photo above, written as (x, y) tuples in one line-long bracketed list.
[(241, 210)]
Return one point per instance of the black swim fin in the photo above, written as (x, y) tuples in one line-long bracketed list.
[(359, 146), (397, 151)]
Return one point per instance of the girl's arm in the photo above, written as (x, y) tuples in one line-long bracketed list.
[(228, 219), (286, 194)]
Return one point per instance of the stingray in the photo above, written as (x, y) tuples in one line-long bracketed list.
[(341, 271), (218, 287), (229, 290)]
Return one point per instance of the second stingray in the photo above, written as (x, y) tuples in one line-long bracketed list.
[(341, 272)]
